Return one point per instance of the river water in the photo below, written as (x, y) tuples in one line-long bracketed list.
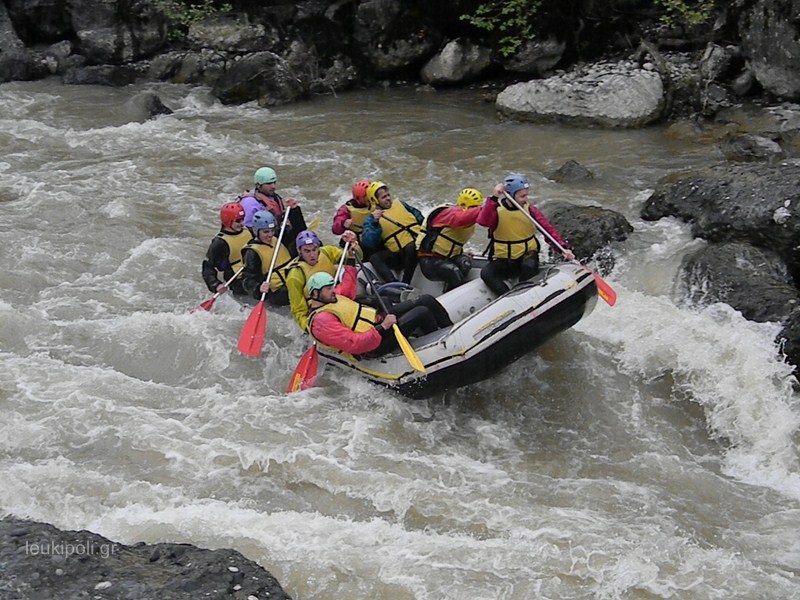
[(649, 452)]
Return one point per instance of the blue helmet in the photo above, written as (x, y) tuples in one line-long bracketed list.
[(307, 237), (515, 182), (263, 219)]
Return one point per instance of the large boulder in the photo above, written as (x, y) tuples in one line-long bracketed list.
[(262, 76), (753, 203), (770, 38), (41, 561), (458, 62), (752, 280), (604, 94)]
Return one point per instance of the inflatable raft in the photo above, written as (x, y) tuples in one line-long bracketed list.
[(488, 333)]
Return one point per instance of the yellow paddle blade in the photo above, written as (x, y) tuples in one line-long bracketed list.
[(314, 224), (405, 346)]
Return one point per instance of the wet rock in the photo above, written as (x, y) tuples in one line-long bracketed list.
[(751, 148), (263, 76), (41, 561), (146, 105), (459, 61), (571, 171), (110, 75), (604, 94), (752, 280), (535, 57), (789, 338)]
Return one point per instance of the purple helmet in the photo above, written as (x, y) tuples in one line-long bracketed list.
[(307, 237)]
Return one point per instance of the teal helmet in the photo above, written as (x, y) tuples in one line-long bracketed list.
[(515, 183), (265, 175), (263, 219), (318, 281)]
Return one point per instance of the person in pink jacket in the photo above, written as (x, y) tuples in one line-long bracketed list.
[(338, 321), (514, 249)]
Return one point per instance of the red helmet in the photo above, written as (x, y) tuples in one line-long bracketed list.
[(231, 212), (360, 192)]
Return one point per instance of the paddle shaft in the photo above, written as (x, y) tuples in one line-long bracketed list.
[(275, 250), (605, 291), (229, 282)]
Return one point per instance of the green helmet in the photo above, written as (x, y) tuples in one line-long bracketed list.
[(318, 281), (265, 175)]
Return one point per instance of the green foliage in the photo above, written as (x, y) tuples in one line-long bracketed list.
[(687, 13), (511, 20), (181, 14)]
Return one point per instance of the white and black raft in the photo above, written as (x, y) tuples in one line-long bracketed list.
[(488, 332)]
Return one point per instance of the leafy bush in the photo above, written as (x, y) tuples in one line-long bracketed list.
[(180, 14)]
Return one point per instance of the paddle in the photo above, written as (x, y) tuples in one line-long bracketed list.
[(405, 346), (210, 302), (305, 373), (251, 339), (604, 290)]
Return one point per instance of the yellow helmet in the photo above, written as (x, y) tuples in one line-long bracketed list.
[(372, 191), (469, 197)]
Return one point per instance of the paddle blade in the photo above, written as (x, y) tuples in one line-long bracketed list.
[(205, 305), (405, 346), (605, 291), (305, 374), (251, 340)]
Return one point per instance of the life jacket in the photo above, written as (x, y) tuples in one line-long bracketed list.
[(353, 315), (358, 214), (514, 236), (444, 241), (265, 252), (273, 204), (324, 265), (236, 243), (399, 227)]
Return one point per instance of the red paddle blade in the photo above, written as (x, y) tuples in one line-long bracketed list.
[(251, 340), (605, 291), (205, 305), (305, 374)]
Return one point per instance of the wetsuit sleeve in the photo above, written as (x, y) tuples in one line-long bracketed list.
[(342, 214), (329, 330), (488, 215), (216, 260), (349, 284), (548, 227), (252, 277), (251, 206), (371, 236)]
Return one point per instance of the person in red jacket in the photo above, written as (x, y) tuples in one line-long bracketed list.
[(352, 214), (336, 320), (514, 249)]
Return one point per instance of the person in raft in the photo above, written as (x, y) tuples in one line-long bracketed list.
[(257, 258), (513, 248), (312, 258), (224, 254), (339, 322), (352, 214), (440, 245), (264, 197)]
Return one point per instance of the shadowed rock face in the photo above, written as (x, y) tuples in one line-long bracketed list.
[(41, 561)]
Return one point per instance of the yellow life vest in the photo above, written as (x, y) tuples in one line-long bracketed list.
[(355, 316), (399, 227), (324, 265), (358, 214), (265, 251), (236, 243), (445, 241), (515, 235)]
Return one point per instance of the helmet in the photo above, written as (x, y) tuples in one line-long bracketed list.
[(360, 192), (469, 197), (318, 281), (263, 219), (265, 175), (230, 212), (372, 190), (515, 183), (307, 237)]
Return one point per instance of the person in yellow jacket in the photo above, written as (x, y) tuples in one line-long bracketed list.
[(440, 246), (224, 254), (389, 234), (514, 249), (312, 258), (257, 257)]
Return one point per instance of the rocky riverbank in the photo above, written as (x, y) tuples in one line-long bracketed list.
[(42, 561)]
